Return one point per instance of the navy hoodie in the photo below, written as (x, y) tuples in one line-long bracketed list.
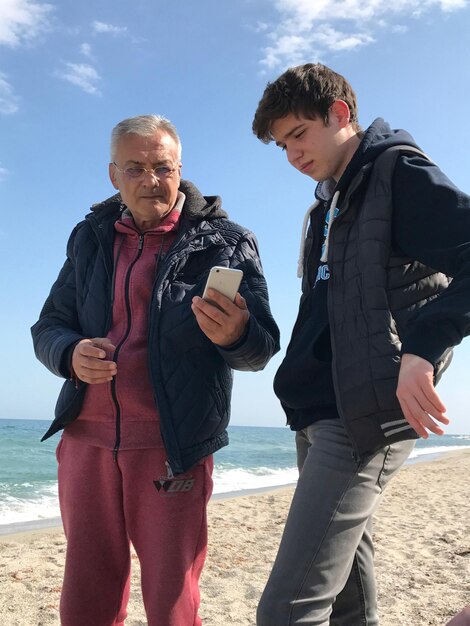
[(431, 224)]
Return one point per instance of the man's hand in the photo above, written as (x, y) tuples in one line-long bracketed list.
[(89, 361), (417, 396), (224, 325)]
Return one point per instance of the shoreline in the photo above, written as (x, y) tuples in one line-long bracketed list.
[(50, 523), (16, 529), (422, 554)]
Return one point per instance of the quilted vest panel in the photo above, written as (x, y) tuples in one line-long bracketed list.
[(374, 291)]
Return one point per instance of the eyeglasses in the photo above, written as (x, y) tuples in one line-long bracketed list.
[(159, 171)]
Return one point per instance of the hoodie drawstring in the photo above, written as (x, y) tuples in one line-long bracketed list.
[(334, 202), (300, 263), (324, 256)]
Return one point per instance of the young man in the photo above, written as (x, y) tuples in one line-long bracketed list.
[(377, 320), (148, 365)]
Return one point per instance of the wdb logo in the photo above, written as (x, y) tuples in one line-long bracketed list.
[(174, 485)]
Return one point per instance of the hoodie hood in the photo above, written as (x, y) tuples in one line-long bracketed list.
[(196, 206), (377, 138)]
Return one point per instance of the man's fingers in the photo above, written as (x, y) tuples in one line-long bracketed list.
[(94, 371), (89, 351), (96, 381), (95, 349), (90, 358), (90, 363), (104, 343), (206, 321), (207, 310), (240, 301), (222, 327), (223, 302)]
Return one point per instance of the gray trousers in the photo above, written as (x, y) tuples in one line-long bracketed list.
[(324, 570)]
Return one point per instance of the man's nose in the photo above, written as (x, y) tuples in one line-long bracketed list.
[(150, 175)]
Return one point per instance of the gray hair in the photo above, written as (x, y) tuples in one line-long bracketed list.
[(143, 125)]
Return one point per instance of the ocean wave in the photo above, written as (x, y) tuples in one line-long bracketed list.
[(15, 509), (428, 450), (24, 506), (21, 511), (226, 481)]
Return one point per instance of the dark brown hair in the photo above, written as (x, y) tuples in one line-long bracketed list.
[(308, 90)]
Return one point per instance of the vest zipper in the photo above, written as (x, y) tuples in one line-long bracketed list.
[(346, 205), (117, 442), (172, 257)]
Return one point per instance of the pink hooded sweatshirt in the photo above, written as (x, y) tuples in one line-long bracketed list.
[(123, 414)]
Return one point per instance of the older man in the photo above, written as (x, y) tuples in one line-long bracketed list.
[(148, 365)]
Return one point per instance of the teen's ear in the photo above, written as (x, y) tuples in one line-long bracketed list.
[(340, 110)]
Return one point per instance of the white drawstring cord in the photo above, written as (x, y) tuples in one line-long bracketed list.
[(300, 263), (334, 201)]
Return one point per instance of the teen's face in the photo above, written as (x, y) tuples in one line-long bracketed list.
[(316, 150), (148, 197)]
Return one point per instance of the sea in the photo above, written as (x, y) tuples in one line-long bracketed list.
[(257, 458)]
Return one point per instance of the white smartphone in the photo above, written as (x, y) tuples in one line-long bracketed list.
[(225, 280)]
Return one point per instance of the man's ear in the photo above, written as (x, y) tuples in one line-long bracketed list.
[(112, 176), (340, 110)]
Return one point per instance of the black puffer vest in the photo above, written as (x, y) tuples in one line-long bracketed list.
[(373, 293)]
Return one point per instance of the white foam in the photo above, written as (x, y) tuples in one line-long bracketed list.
[(13, 509), (435, 450), (226, 481), (46, 505)]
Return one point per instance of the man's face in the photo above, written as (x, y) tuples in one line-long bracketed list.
[(147, 197), (316, 150)]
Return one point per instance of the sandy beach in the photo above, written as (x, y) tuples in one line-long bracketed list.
[(422, 534)]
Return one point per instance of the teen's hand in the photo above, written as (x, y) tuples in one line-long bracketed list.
[(418, 399)]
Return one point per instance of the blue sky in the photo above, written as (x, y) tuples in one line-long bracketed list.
[(70, 71)]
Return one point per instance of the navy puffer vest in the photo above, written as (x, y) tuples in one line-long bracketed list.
[(374, 292)]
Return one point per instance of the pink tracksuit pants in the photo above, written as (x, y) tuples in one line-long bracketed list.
[(106, 505)]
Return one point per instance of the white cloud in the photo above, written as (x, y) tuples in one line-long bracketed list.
[(9, 102), (308, 29), (400, 29), (258, 27), (85, 49), (292, 47), (452, 5), (333, 39), (3, 173), (102, 27), (22, 20), (82, 75)]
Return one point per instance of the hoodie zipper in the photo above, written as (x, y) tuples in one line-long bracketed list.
[(117, 442)]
